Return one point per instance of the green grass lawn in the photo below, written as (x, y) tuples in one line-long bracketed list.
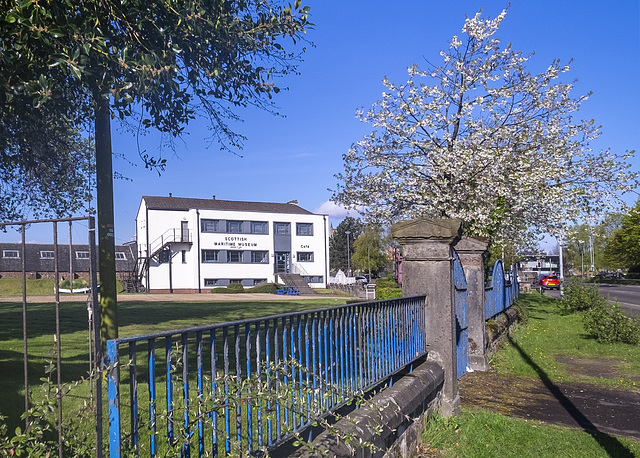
[(12, 287), (483, 434), (135, 317), (548, 334)]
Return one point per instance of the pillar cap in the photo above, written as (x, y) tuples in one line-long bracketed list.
[(443, 230), (472, 244)]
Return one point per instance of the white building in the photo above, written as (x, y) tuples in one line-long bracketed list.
[(191, 245)]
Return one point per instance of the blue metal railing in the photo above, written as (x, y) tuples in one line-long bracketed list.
[(500, 294), (247, 386), (462, 312)]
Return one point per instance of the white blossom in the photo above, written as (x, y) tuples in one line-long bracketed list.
[(482, 139)]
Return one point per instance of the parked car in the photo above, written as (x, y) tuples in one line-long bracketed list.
[(547, 282), (362, 279)]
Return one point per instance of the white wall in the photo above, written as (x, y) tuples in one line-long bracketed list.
[(192, 273)]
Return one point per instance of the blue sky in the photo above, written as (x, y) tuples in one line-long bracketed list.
[(356, 44)]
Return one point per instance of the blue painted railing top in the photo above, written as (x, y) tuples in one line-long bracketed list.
[(500, 294), (246, 386)]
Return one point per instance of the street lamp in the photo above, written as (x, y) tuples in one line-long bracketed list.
[(593, 267), (348, 255), (581, 244)]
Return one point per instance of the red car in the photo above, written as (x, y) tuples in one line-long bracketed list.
[(547, 282)]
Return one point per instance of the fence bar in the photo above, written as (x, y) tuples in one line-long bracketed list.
[(133, 396), (247, 340), (24, 326), (113, 389), (214, 391), (56, 288), (200, 375), (169, 377), (151, 352), (186, 447)]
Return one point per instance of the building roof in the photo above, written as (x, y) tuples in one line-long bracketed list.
[(35, 262), (187, 203)]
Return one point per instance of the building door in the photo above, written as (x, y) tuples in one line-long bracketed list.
[(184, 231), (283, 262)]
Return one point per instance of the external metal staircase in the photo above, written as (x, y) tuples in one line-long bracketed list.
[(169, 237)]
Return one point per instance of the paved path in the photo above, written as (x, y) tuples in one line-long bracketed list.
[(586, 406)]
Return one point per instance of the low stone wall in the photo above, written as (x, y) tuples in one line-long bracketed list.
[(392, 421), (499, 328)]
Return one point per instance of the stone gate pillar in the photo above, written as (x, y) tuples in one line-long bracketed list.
[(427, 268), (470, 251)]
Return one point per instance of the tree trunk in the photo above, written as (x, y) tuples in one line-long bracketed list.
[(106, 240)]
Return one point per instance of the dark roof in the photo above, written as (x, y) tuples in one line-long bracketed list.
[(187, 203), (35, 263)]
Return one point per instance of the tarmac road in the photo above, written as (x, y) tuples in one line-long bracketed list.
[(628, 297)]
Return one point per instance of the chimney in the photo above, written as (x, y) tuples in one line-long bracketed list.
[(214, 197), (293, 202), (170, 195)]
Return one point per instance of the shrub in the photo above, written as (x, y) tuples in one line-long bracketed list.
[(269, 288), (386, 282), (388, 293), (232, 288), (579, 296), (607, 323), (77, 283)]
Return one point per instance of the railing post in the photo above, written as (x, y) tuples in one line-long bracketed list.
[(113, 389), (470, 251), (427, 268)]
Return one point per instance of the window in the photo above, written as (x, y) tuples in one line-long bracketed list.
[(234, 227), (304, 228), (234, 256), (120, 256), (210, 282), (259, 227), (281, 228), (314, 279), (260, 257), (82, 255), (10, 254), (305, 256), (259, 281), (210, 255), (47, 255), (209, 225)]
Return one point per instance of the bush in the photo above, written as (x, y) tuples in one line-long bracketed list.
[(269, 288), (579, 296), (77, 283), (232, 288), (386, 282), (388, 293), (607, 323)]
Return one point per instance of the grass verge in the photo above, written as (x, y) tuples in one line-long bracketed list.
[(550, 334), (485, 434)]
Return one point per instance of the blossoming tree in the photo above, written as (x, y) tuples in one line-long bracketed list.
[(482, 139)]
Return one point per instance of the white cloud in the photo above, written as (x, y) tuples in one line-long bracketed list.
[(336, 211)]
